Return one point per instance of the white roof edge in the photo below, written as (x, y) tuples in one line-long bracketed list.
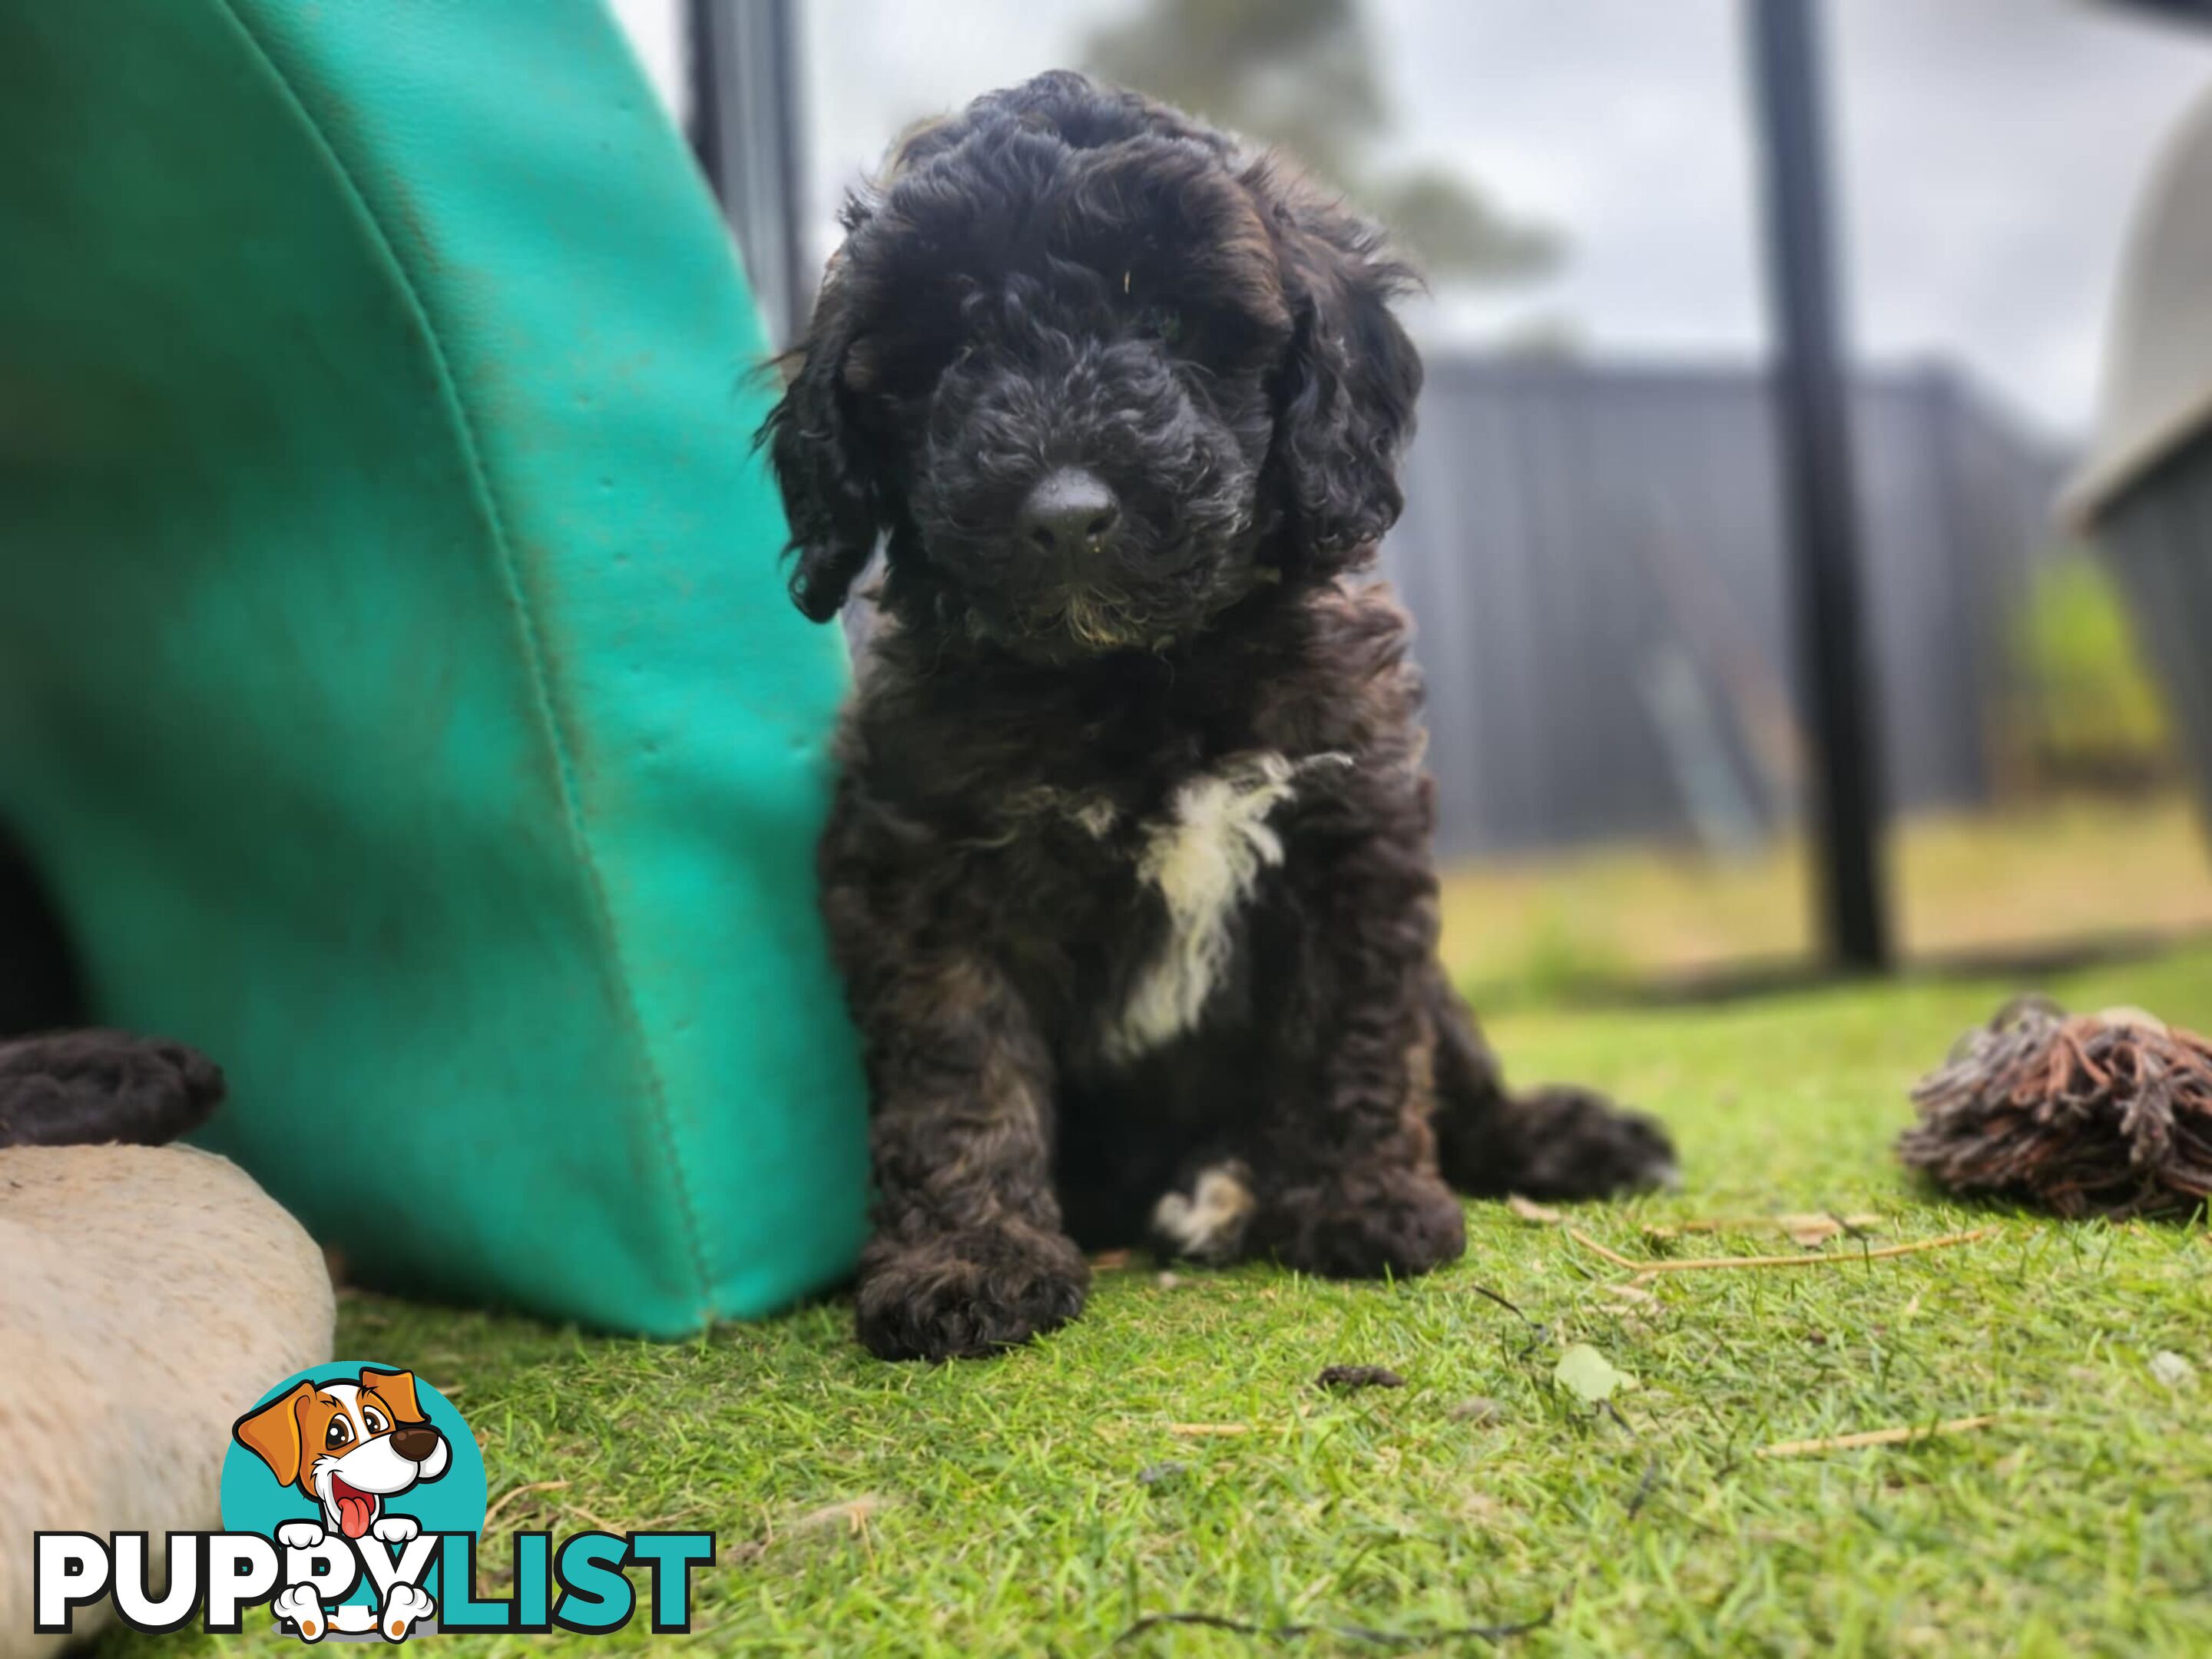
[(2098, 481), (2157, 388)]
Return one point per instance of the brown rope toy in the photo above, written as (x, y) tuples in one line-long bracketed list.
[(2106, 1113)]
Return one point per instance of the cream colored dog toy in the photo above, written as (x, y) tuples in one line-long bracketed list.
[(149, 1294)]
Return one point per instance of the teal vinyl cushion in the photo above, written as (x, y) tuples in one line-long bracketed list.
[(397, 686)]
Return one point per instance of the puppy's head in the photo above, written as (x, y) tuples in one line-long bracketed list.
[(1096, 374), (348, 1445)]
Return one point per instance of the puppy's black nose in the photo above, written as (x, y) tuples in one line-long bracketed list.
[(415, 1442), (1068, 513)]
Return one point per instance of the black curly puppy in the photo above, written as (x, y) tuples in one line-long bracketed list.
[(1128, 869)]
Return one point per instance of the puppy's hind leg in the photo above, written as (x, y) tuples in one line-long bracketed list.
[(1559, 1142)]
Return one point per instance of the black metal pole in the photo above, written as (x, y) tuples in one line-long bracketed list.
[(1812, 397), (702, 46), (746, 130), (799, 271)]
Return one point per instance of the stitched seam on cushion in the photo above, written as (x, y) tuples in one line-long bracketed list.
[(548, 713)]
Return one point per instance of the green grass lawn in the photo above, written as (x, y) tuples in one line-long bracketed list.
[(1041, 1503)]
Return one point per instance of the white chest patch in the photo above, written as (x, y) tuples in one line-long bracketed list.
[(1204, 858)]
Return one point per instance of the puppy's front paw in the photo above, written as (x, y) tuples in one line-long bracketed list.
[(396, 1528), (961, 1296), (1574, 1143), (303, 1606), (300, 1534), (1363, 1225), (405, 1607)]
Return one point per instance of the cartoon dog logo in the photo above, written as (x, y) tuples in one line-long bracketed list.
[(349, 1447)]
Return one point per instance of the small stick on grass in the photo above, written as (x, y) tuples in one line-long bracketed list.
[(510, 1495), (1644, 1270), (598, 1523), (1648, 1269), (1644, 1487), (1509, 1307), (1613, 1256), (1538, 1331), (1209, 1428), (1853, 1225), (1897, 1437)]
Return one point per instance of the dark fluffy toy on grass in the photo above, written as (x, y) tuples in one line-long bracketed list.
[(93, 1088), (1346, 1378), (2105, 1114)]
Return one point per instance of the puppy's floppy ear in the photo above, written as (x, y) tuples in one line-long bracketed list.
[(1344, 391), (271, 1433), (826, 465), (396, 1390)]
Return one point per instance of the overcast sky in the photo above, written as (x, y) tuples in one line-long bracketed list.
[(1989, 149)]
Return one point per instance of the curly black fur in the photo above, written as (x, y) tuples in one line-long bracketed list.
[(87, 1088), (1128, 868)]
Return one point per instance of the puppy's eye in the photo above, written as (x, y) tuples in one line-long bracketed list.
[(337, 1434), (372, 1419)]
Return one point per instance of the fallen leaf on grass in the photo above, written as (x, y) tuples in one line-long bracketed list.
[(2171, 1368), (1629, 1292), (1530, 1209), (1110, 1261), (1589, 1374)]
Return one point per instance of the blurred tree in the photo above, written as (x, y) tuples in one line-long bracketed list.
[(2095, 719), (1301, 74)]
